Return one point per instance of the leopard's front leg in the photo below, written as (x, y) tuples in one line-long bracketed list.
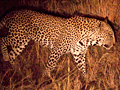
[(79, 53)]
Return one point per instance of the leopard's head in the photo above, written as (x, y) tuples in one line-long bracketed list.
[(106, 35)]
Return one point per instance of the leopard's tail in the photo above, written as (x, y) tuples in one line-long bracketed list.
[(3, 47), (4, 51)]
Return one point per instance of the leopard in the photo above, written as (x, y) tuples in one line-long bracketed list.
[(62, 35)]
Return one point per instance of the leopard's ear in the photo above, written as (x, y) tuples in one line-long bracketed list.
[(106, 19), (103, 23)]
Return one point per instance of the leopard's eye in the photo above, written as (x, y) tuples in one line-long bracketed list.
[(107, 46)]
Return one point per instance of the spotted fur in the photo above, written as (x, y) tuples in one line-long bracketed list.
[(62, 35)]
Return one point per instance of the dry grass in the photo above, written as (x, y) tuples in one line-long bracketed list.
[(103, 67), (103, 71)]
